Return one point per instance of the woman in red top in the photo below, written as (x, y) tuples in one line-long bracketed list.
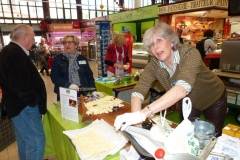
[(116, 58)]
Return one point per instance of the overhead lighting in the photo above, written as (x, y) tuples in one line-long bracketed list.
[(75, 4), (55, 2)]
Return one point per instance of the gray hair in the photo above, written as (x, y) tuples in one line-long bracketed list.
[(19, 31), (163, 30)]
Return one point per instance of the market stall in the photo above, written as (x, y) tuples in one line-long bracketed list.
[(59, 144), (192, 18), (55, 33)]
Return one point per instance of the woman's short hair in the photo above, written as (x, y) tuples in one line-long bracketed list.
[(208, 33), (119, 39), (75, 38), (163, 30)]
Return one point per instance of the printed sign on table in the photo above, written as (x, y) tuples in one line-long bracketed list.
[(69, 105)]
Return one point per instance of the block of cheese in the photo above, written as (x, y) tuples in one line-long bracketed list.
[(230, 130), (237, 134)]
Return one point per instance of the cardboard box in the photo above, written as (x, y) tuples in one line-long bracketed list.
[(237, 134), (230, 130), (227, 145)]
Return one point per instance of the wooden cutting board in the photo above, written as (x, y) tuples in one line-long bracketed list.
[(82, 110), (108, 117)]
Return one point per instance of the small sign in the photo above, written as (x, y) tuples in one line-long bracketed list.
[(69, 105), (126, 29)]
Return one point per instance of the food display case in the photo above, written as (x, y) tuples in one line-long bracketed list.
[(85, 49), (92, 51), (89, 50), (140, 56)]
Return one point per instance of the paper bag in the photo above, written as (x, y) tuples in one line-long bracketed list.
[(182, 139)]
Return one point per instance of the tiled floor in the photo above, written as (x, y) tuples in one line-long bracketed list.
[(11, 152)]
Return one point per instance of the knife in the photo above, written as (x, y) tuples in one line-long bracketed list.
[(86, 88)]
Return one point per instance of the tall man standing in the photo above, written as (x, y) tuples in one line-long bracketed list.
[(23, 93)]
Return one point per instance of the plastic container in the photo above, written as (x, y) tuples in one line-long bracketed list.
[(126, 79), (203, 130)]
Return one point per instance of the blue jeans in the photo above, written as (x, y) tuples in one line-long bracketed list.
[(29, 134)]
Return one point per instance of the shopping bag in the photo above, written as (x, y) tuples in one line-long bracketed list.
[(160, 131), (182, 139)]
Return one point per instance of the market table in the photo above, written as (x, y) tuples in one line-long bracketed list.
[(122, 91), (59, 144)]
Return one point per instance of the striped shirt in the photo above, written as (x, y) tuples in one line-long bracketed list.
[(182, 83)]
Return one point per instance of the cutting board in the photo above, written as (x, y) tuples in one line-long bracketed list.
[(108, 117)]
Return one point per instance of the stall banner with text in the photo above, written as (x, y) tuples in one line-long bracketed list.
[(192, 5), (136, 14)]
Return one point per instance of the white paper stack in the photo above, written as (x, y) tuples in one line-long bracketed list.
[(97, 140)]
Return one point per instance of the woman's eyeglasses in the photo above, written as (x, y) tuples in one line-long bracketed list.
[(158, 42), (68, 42)]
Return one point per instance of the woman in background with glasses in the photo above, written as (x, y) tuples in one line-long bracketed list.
[(181, 72), (70, 69)]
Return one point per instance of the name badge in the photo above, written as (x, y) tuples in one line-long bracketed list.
[(82, 62)]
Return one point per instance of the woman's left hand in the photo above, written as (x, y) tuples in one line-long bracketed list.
[(126, 66), (119, 66)]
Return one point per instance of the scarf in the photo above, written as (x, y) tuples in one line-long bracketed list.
[(73, 68)]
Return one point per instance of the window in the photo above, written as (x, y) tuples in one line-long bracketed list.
[(31, 12)]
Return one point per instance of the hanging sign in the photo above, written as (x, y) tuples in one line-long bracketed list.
[(193, 5), (59, 27), (75, 24), (136, 14)]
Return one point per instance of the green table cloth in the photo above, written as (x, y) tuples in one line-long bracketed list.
[(109, 88), (56, 142)]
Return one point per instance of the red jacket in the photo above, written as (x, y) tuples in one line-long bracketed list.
[(112, 56)]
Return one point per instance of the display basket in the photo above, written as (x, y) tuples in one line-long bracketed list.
[(7, 136)]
